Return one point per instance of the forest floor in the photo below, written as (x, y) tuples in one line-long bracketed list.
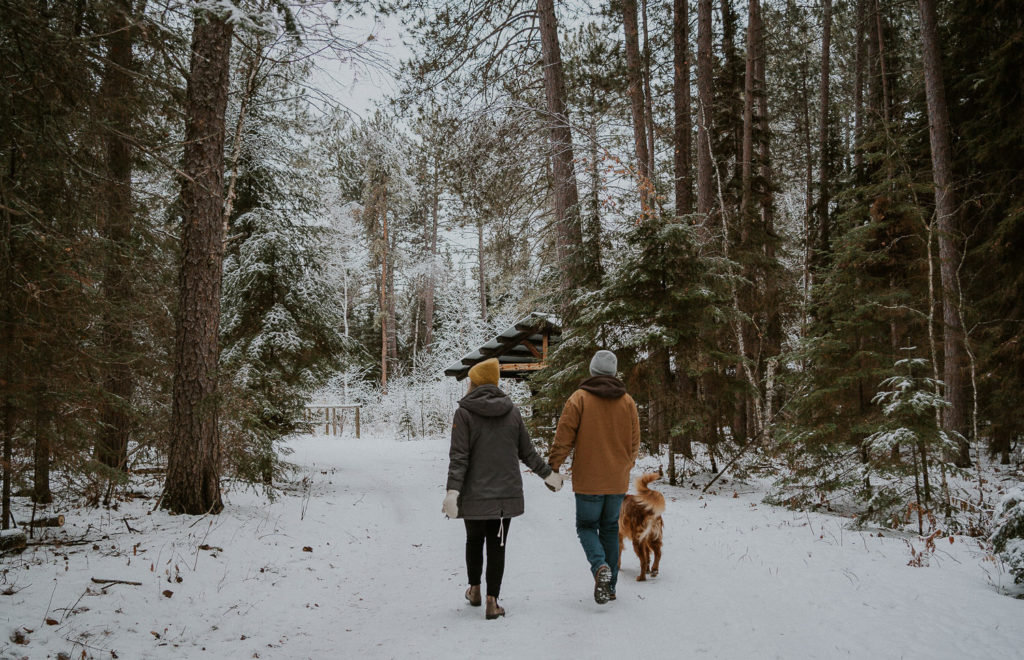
[(356, 561)]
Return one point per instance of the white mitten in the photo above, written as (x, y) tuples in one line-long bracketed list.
[(554, 481), (450, 507)]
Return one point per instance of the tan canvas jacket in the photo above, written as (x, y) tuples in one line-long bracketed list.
[(599, 423)]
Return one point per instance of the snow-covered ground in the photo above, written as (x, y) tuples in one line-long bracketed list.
[(358, 562)]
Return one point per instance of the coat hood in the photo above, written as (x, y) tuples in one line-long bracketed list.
[(487, 401), (606, 387)]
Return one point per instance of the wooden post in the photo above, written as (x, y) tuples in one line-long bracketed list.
[(357, 422)]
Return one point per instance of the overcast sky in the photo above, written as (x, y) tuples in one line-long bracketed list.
[(357, 83)]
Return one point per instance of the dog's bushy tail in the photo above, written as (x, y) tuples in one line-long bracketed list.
[(641, 482)]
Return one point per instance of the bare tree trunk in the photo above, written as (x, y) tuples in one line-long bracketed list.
[(823, 160), (482, 272), (115, 91), (634, 76), (882, 68), (955, 417), (566, 195), (648, 99), (681, 108), (773, 331), (7, 347), (384, 316), (392, 319), (808, 228), (193, 469), (41, 450), (705, 184), (428, 302), (747, 148), (858, 92), (8, 429)]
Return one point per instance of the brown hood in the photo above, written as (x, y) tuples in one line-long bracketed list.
[(606, 387)]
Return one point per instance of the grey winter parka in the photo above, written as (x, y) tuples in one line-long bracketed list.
[(489, 440)]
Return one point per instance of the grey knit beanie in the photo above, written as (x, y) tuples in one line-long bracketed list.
[(604, 363)]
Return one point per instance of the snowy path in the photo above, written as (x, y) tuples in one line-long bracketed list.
[(385, 579)]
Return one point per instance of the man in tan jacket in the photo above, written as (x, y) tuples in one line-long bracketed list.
[(599, 424)]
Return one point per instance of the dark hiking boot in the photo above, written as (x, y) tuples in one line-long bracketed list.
[(603, 585), (473, 595), (493, 609)]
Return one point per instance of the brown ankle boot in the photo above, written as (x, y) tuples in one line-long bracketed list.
[(493, 609), (473, 595)]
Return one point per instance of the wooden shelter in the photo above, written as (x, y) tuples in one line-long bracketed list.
[(521, 350)]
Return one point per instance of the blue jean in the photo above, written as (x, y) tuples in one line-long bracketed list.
[(597, 525)]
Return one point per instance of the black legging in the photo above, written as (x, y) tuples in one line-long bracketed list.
[(477, 531)]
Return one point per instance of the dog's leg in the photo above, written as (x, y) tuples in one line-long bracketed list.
[(620, 549), (638, 548), (656, 547)]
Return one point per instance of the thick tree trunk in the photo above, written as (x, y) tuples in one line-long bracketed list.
[(634, 76), (955, 417), (568, 233), (193, 468), (705, 183), (112, 444), (824, 176), (681, 108)]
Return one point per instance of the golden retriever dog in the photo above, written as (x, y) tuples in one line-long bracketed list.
[(640, 521)]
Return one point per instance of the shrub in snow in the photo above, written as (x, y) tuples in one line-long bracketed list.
[(909, 426), (1008, 537)]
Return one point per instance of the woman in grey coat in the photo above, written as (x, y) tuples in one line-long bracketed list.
[(485, 487)]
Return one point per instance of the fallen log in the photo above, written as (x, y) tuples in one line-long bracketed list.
[(12, 539), (105, 581), (49, 521)]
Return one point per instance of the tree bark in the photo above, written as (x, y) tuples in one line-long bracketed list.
[(384, 274), (634, 77), (568, 233), (824, 175), (705, 184), (193, 468), (482, 280), (429, 293), (858, 91), (392, 335), (115, 92), (747, 149), (41, 450), (648, 97), (681, 108), (883, 74), (955, 417)]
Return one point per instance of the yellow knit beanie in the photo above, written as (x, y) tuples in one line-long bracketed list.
[(484, 373)]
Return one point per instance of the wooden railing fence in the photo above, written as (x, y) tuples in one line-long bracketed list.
[(332, 417)]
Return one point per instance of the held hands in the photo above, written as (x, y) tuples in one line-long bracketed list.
[(554, 481), (450, 508)]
